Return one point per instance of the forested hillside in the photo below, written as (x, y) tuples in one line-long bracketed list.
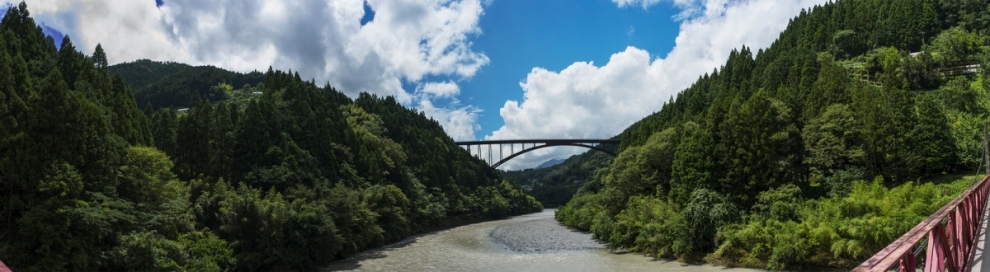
[(288, 180), (810, 153), (555, 185), (171, 84)]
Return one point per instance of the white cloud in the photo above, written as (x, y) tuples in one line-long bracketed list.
[(121, 26), (322, 40), (690, 9), (439, 89), (405, 41), (589, 101), (408, 41), (460, 122), (644, 3)]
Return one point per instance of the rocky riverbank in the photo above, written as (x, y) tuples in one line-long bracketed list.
[(532, 242), (542, 235)]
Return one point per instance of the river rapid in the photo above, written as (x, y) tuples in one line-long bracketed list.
[(533, 242)]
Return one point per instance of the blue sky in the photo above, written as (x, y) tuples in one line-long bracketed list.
[(485, 69), (520, 35)]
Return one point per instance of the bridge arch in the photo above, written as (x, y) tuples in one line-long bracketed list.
[(527, 150), (593, 144)]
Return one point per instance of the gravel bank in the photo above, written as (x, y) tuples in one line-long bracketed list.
[(542, 235)]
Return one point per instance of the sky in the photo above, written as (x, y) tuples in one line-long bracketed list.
[(484, 69)]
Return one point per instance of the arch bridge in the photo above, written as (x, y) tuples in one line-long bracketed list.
[(515, 148)]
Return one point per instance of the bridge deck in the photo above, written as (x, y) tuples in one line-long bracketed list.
[(979, 260), (499, 146), (537, 141)]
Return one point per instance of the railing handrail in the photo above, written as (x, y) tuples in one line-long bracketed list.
[(890, 255)]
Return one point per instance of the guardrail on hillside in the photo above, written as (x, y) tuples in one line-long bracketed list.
[(960, 70), (951, 234)]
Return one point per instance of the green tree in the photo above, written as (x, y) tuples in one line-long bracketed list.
[(165, 130), (955, 47), (692, 165), (193, 141), (832, 140), (644, 170), (221, 142), (845, 44), (145, 177), (933, 149)]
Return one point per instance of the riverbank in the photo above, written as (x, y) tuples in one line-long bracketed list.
[(532, 242), (542, 235)]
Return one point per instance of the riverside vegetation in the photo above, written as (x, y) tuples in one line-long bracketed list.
[(810, 153), (289, 180)]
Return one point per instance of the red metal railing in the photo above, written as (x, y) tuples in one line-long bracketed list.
[(949, 244), (3, 267)]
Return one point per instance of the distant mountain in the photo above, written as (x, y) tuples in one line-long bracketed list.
[(554, 182), (171, 84), (549, 163), (140, 73)]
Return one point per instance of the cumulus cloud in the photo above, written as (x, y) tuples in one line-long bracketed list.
[(438, 89), (325, 40), (407, 41), (460, 122), (589, 101), (124, 24)]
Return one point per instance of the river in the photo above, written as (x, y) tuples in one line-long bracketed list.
[(533, 242)]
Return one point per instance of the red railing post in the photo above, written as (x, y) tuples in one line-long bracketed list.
[(907, 263), (935, 261), (956, 236), (958, 242)]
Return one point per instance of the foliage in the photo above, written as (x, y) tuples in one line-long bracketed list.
[(833, 231), (555, 185), (651, 226), (173, 85), (290, 179), (832, 140), (761, 162)]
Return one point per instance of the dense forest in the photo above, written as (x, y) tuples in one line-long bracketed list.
[(171, 84), (290, 178), (815, 152)]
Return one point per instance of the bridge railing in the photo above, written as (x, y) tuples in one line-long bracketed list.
[(951, 234)]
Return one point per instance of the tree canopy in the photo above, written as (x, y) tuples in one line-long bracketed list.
[(783, 158), (290, 179)]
